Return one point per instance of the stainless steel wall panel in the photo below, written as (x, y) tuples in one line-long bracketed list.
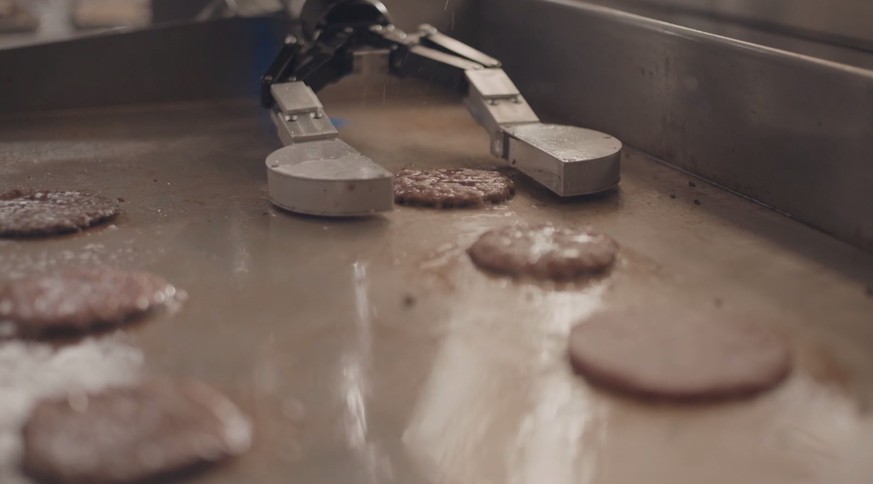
[(848, 22)]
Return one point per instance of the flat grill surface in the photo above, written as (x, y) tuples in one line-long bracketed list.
[(372, 351)]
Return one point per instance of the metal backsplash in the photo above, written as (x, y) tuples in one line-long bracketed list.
[(848, 22)]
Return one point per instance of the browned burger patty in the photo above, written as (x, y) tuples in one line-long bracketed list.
[(452, 187), (132, 434), (543, 252), (32, 213), (79, 300), (660, 356)]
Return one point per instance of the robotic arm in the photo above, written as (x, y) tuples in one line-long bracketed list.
[(317, 173)]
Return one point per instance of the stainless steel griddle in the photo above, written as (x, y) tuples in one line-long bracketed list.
[(371, 350)]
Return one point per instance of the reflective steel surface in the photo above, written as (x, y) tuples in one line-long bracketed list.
[(372, 351), (753, 32), (841, 21)]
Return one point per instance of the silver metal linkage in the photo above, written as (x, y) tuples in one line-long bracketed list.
[(317, 173)]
